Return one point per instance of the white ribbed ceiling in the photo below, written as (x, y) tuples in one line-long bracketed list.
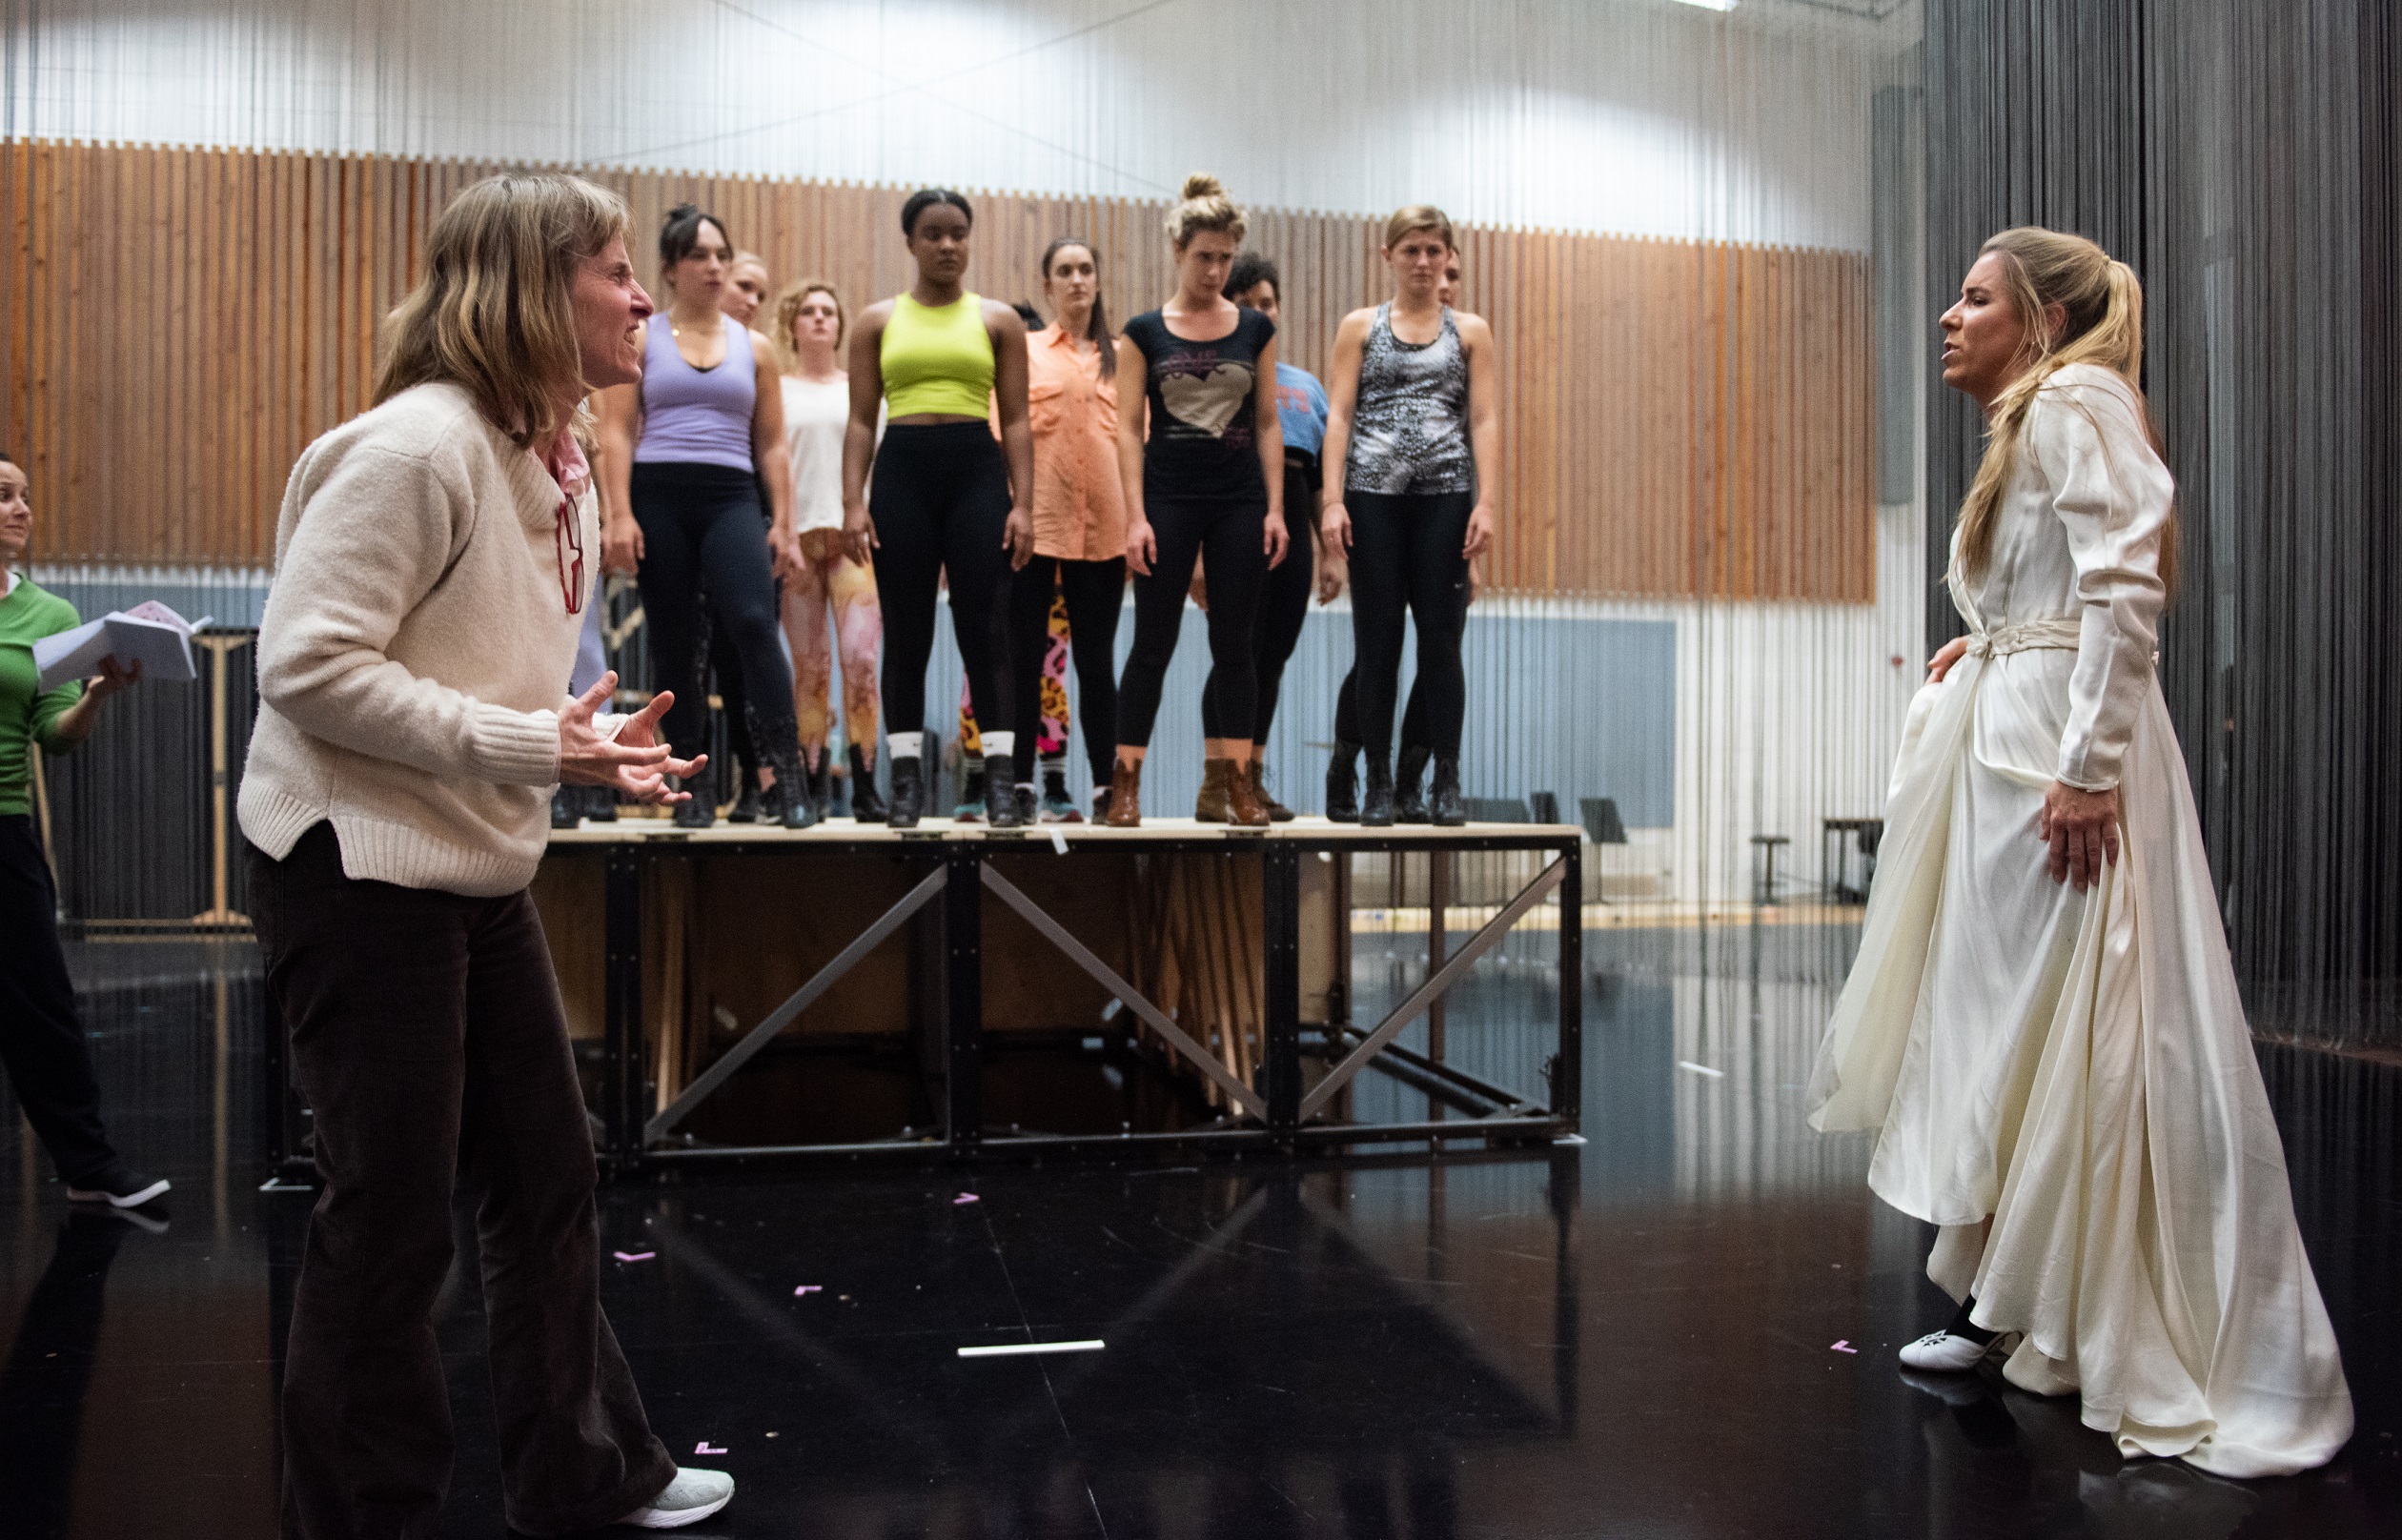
[(1638, 116)]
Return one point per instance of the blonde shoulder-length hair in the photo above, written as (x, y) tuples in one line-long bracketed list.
[(495, 312), (2102, 322), (788, 310)]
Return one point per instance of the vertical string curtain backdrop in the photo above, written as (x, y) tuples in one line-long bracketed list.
[(2247, 161)]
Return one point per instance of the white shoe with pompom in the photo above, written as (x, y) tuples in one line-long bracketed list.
[(1945, 1353)]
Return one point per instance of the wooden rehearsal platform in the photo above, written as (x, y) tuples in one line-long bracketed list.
[(1214, 961)]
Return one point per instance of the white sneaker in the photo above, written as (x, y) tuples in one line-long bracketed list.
[(119, 1188), (693, 1495), (1943, 1353)]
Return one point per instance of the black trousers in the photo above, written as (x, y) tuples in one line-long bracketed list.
[(41, 1037), (430, 1043), (1229, 533), (1406, 566), (1095, 591), (940, 494), (1284, 603), (1347, 714), (706, 566)]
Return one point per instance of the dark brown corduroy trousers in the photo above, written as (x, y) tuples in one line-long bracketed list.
[(429, 1039)]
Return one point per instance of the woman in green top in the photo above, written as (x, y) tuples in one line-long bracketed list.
[(945, 498), (41, 1041)]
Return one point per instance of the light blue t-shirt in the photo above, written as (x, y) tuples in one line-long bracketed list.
[(1301, 408)]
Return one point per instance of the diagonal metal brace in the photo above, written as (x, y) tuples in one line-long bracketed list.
[(1436, 984), (800, 1000), (1248, 1100)]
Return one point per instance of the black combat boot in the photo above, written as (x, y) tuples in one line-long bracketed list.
[(1444, 807), (1409, 793), (1376, 808), (1342, 784)]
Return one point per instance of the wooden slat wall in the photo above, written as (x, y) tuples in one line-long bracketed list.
[(1680, 419)]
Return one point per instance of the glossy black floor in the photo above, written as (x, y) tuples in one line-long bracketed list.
[(1641, 1337)]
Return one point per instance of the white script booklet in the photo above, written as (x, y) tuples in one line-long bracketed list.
[(150, 634)]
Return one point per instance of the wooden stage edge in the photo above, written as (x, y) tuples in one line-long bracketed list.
[(1311, 830)]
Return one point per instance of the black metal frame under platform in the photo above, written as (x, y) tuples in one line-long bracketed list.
[(952, 869)]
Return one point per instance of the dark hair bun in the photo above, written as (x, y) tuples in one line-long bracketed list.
[(925, 199), (681, 233)]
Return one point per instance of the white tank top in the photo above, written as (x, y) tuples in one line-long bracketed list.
[(815, 412)]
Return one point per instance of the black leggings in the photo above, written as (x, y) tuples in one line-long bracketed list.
[(940, 500), (1095, 591), (726, 669), (1405, 564), (1284, 603), (1347, 715), (1229, 533), (703, 545)]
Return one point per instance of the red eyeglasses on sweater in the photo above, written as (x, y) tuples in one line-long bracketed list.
[(567, 466)]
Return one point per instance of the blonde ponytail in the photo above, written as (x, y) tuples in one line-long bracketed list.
[(1204, 206), (2103, 307)]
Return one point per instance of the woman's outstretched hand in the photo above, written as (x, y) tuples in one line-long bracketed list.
[(75, 723), (2082, 827), (1941, 664), (634, 761), (113, 678)]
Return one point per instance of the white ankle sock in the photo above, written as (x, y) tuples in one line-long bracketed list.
[(904, 745), (1000, 746)]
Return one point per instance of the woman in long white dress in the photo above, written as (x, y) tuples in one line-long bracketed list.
[(2043, 1022)]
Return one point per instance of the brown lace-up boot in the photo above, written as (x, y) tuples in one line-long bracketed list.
[(1126, 796), (1210, 807), (1276, 810), (1243, 807)]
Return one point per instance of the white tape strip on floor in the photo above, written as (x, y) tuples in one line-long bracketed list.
[(1014, 1350)]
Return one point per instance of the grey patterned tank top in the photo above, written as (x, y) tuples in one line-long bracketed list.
[(1409, 424)]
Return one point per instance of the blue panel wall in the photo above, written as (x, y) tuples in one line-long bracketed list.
[(1571, 703)]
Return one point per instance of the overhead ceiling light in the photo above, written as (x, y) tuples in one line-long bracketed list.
[(1712, 4)]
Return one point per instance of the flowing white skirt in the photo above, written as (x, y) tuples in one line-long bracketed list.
[(2078, 1069)]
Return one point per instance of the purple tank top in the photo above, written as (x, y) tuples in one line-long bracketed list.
[(696, 416)]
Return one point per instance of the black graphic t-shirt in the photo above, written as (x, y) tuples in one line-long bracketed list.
[(1204, 408)]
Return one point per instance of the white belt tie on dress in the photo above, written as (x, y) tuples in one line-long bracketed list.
[(2025, 636)]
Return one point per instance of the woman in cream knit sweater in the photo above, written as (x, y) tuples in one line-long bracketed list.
[(431, 574)]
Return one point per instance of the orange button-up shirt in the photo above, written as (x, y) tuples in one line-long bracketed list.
[(1079, 503)]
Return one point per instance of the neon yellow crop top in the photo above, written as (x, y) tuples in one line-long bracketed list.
[(937, 358)]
